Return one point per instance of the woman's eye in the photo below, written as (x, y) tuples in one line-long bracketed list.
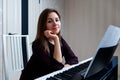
[(49, 21), (57, 19)]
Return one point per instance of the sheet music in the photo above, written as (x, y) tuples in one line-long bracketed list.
[(111, 37)]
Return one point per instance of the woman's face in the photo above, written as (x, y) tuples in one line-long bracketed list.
[(53, 23)]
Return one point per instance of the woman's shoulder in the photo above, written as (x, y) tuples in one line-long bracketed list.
[(36, 46), (36, 43), (63, 40)]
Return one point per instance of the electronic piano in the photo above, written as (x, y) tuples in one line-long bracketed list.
[(74, 72), (62, 70)]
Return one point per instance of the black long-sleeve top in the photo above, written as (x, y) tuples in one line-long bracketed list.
[(42, 62)]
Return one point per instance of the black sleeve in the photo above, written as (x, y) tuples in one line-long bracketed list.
[(69, 55), (45, 57)]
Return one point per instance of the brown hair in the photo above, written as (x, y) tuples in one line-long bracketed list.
[(41, 27)]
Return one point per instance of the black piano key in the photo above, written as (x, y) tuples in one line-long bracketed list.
[(53, 78), (66, 75), (63, 76)]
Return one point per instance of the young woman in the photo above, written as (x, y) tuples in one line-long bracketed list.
[(48, 48)]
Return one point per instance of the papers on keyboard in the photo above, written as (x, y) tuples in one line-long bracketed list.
[(111, 37)]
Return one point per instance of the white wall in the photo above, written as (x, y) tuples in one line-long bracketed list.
[(11, 16), (1, 39), (86, 23)]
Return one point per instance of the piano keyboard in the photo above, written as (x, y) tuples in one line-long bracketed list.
[(66, 72)]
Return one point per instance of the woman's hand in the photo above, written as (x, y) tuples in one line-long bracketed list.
[(50, 34), (66, 65)]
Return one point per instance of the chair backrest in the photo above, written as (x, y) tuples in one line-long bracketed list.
[(13, 53)]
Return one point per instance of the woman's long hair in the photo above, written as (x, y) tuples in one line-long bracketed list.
[(41, 27)]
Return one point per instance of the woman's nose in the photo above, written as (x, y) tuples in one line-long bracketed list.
[(54, 22)]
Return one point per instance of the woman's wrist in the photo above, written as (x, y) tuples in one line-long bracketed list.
[(66, 65), (56, 39)]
